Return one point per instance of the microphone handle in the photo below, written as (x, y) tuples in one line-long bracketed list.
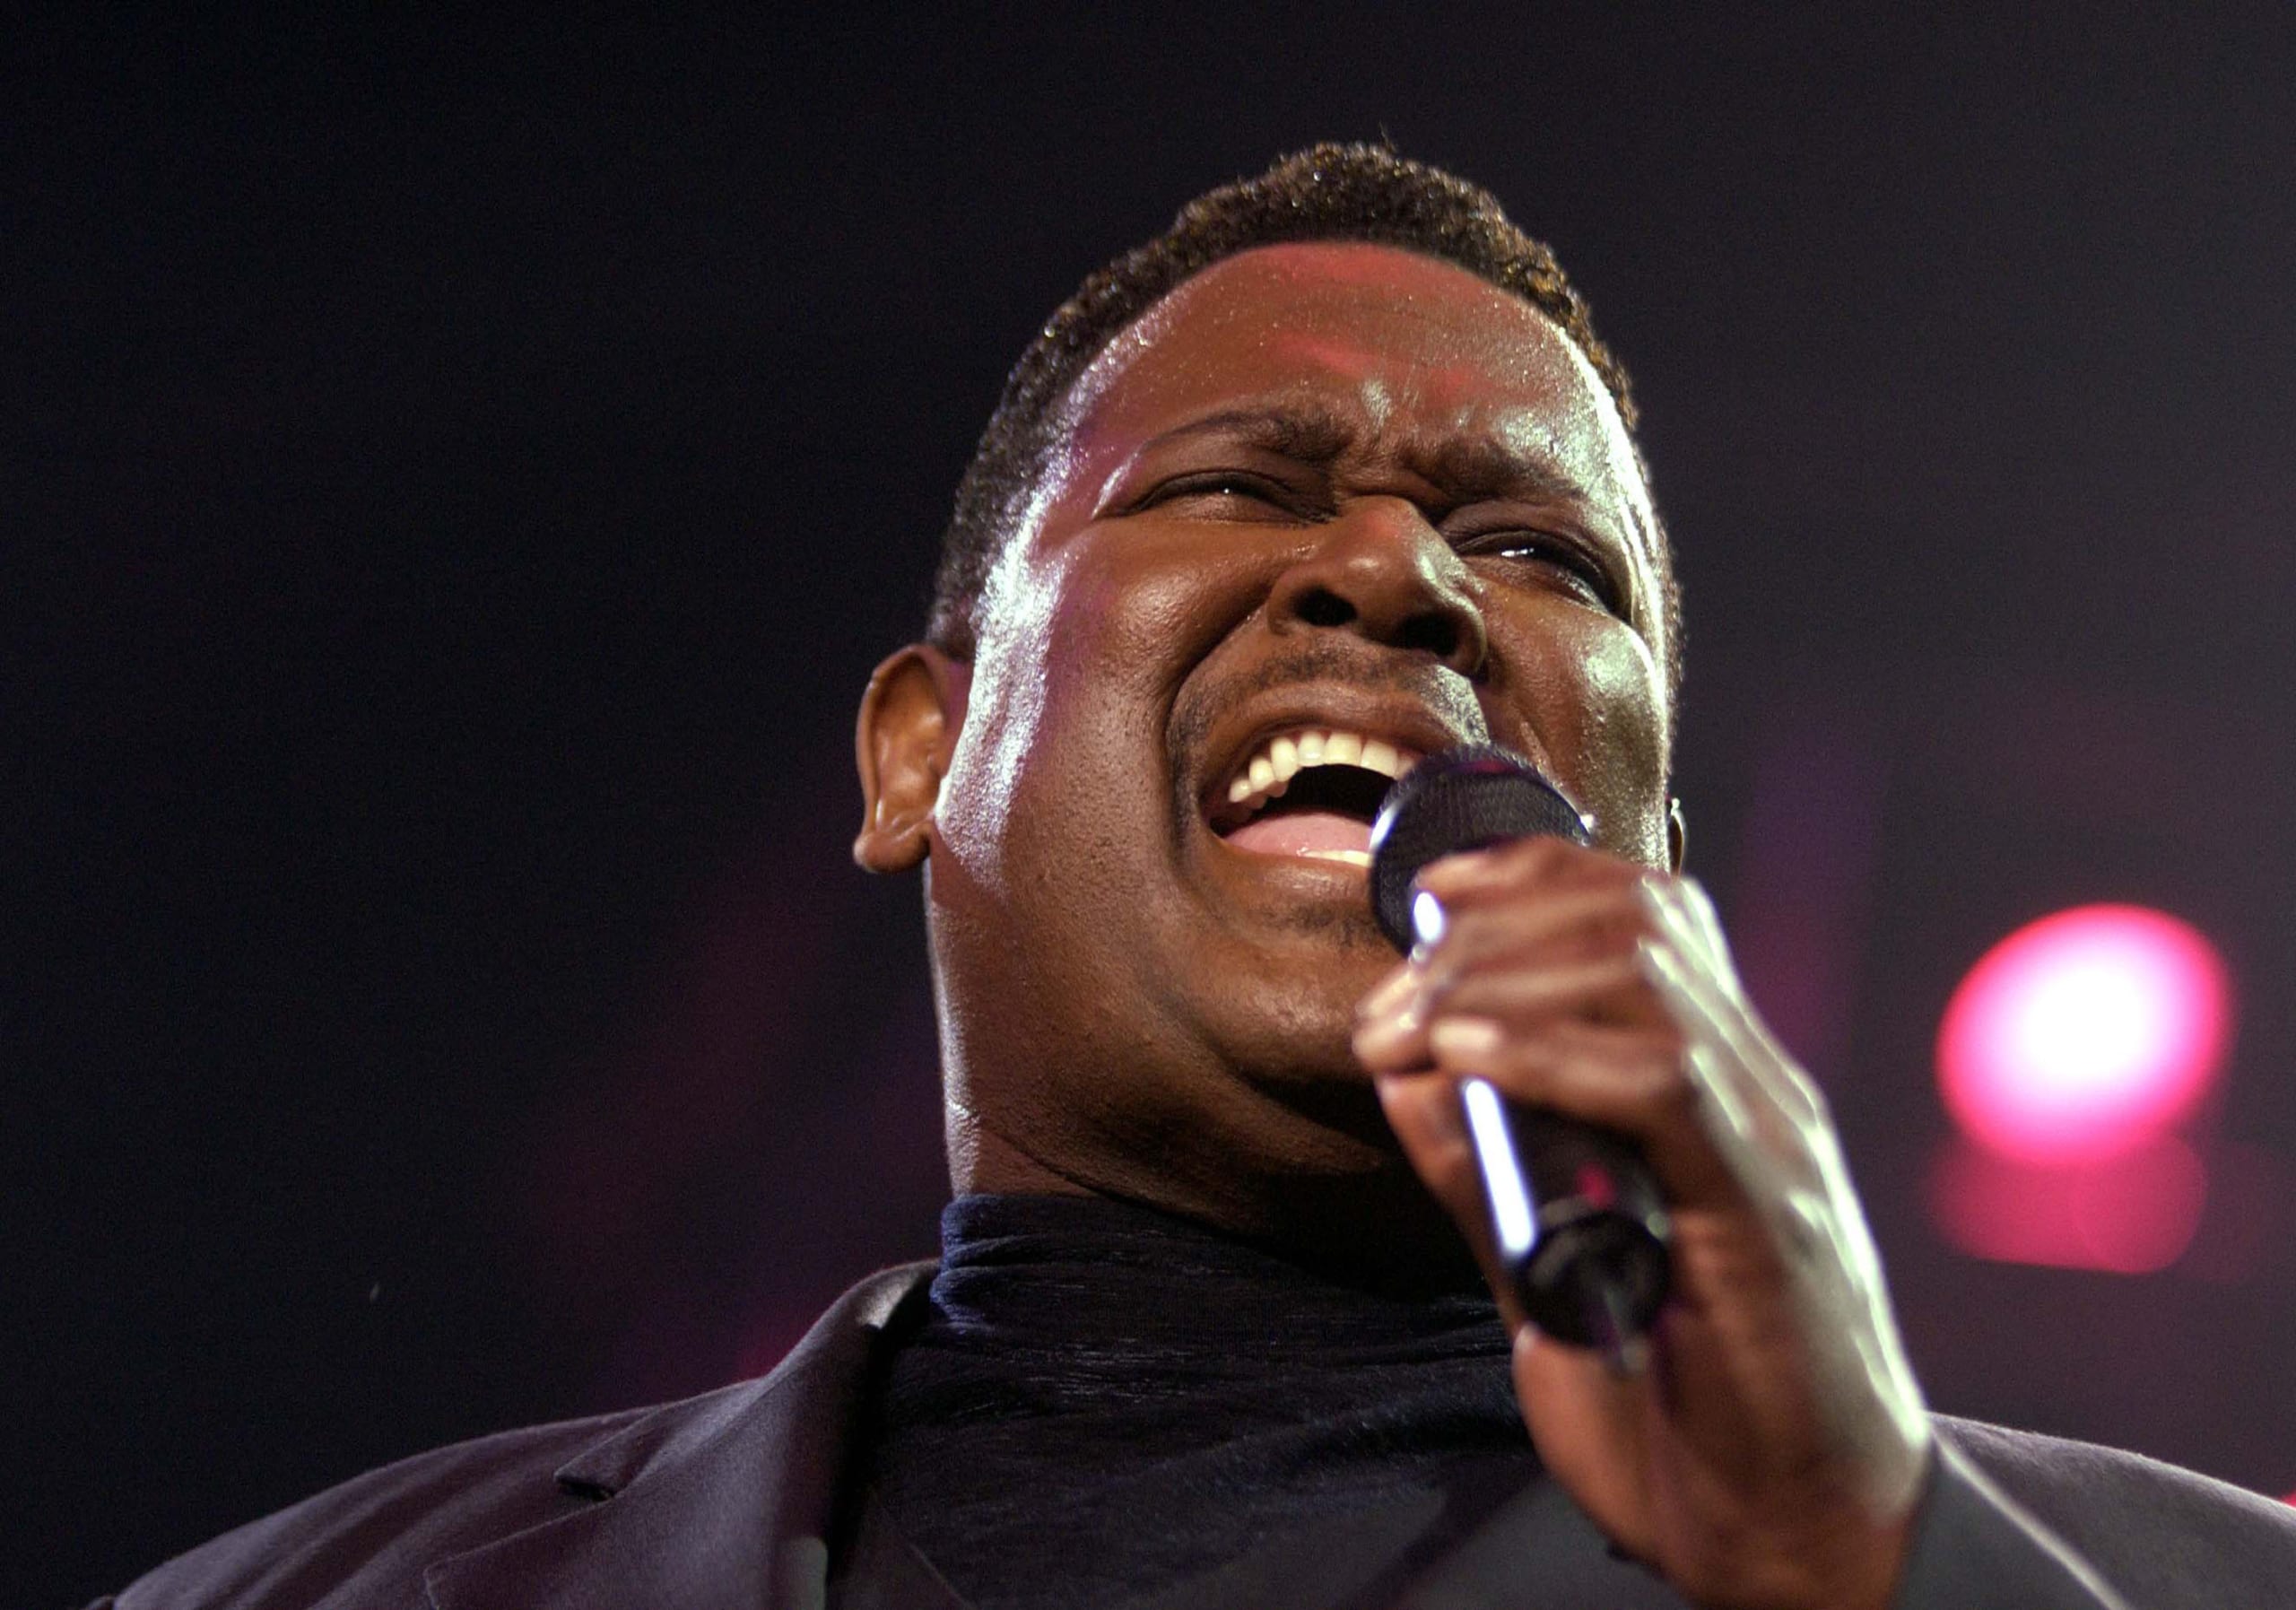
[(1576, 1220), (1576, 1216)]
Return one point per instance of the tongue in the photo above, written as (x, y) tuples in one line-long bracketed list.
[(1303, 833)]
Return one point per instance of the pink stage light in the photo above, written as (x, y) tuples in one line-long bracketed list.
[(2084, 1035), (2135, 1214)]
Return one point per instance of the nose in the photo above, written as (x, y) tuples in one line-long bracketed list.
[(1383, 572)]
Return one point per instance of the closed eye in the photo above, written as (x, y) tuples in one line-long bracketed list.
[(1543, 553), (1232, 494)]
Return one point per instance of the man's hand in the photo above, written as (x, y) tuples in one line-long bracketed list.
[(1771, 1450)]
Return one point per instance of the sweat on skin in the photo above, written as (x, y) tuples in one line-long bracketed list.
[(1340, 488)]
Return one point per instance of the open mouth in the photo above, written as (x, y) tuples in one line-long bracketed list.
[(1311, 792)]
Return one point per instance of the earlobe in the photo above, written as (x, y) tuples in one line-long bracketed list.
[(1677, 836), (902, 740)]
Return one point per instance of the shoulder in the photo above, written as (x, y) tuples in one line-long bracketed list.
[(2151, 1528), (385, 1526), (371, 1541)]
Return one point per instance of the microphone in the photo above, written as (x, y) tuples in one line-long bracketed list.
[(1575, 1211)]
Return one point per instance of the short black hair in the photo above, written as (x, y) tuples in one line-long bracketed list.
[(1326, 192)]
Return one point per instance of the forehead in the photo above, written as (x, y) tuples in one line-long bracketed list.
[(1399, 343)]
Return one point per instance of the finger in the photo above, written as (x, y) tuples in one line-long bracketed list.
[(1394, 1041), (1541, 860), (1697, 905), (1590, 1425), (1666, 903), (1576, 925), (1517, 949), (1585, 1421), (1710, 982), (1390, 1029), (1392, 992), (1707, 1011), (1424, 1111), (1577, 922), (1743, 1132), (1788, 1158), (1773, 1119), (1638, 1082), (1524, 995)]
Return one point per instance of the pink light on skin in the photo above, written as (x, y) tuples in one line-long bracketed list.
[(2084, 1035)]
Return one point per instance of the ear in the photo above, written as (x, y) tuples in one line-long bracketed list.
[(1677, 836), (910, 715)]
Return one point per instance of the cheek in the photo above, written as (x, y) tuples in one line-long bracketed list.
[(1598, 701), (1007, 711), (1151, 600), (1083, 648)]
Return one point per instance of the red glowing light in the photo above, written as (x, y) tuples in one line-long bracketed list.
[(2134, 1214), (2085, 1034)]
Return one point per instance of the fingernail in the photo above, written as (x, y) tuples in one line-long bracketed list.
[(1399, 986), (1376, 1038), (1465, 1037), (1455, 872)]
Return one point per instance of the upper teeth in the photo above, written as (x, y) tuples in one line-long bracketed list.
[(1271, 767)]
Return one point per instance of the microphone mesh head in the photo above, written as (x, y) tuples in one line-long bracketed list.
[(1460, 800)]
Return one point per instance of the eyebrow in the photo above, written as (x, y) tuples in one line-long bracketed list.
[(1468, 468), (1311, 434)]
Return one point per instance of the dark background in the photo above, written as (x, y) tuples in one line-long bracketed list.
[(458, 480)]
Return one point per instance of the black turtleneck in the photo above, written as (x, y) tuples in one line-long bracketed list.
[(1102, 1402)]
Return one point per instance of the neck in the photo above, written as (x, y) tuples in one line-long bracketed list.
[(1369, 1223)]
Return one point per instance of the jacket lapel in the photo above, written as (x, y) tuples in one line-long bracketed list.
[(721, 1503)]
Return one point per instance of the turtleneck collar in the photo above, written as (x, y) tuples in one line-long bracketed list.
[(1106, 1284), (1099, 1398)]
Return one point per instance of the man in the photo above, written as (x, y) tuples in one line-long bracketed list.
[(1332, 476)]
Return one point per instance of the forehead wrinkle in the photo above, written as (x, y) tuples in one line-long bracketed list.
[(1307, 430), (1470, 468), (1466, 463), (1521, 456)]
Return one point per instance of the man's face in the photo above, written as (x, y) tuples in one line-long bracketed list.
[(1323, 499)]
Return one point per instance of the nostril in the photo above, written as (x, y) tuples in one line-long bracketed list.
[(1435, 634), (1319, 606)]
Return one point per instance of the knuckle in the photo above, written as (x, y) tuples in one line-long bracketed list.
[(1635, 924), (1544, 849), (1677, 1099), (1661, 908), (1544, 858), (1671, 1090), (1804, 1220), (1813, 1099), (1467, 927), (1701, 906)]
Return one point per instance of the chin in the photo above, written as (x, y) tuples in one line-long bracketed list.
[(1297, 1026)]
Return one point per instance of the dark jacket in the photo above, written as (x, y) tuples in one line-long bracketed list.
[(726, 1500)]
